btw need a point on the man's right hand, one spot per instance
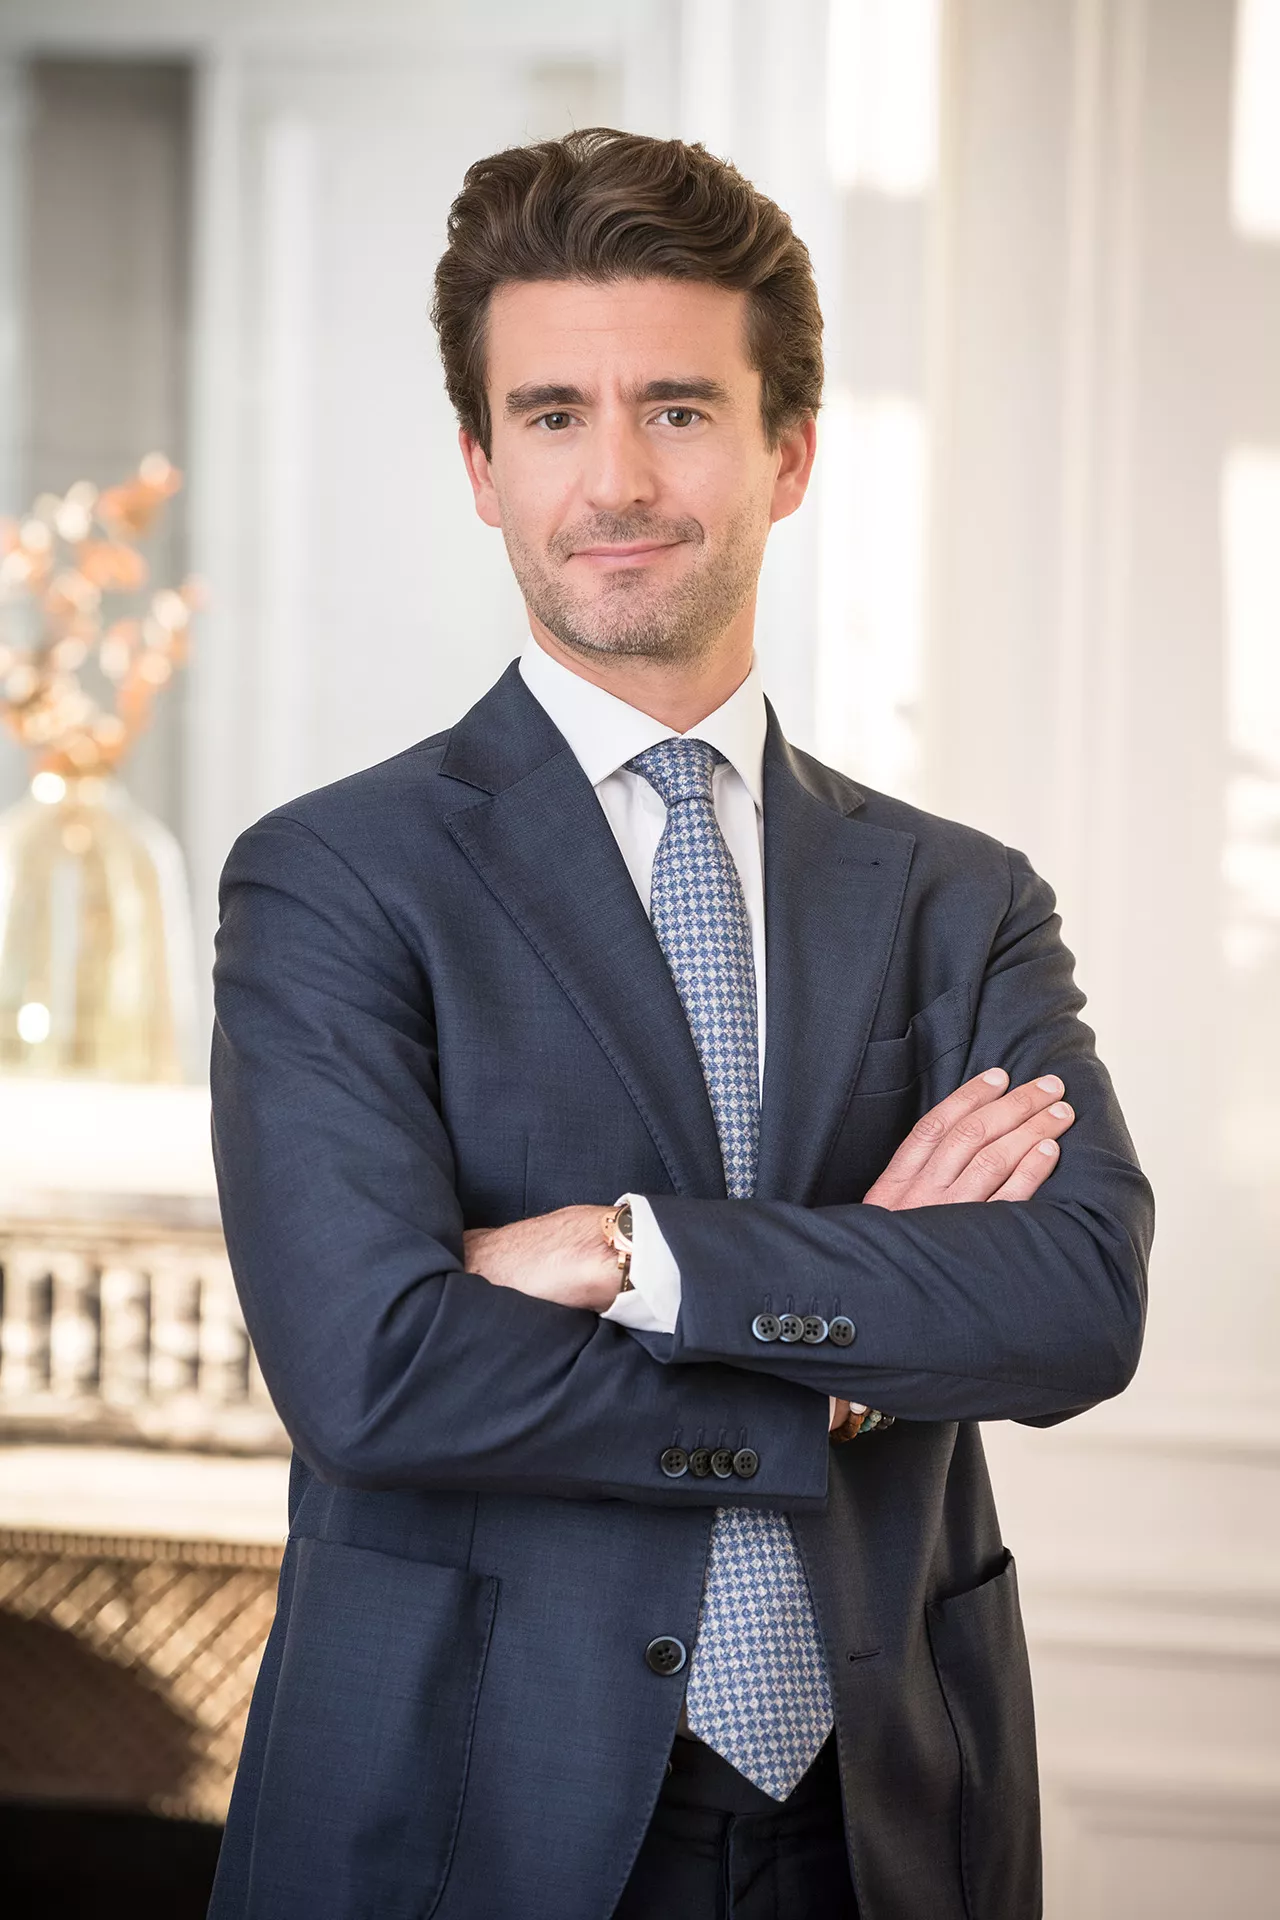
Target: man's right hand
(983, 1142)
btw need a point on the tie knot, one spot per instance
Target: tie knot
(678, 769)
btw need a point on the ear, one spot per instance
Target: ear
(795, 464)
(480, 474)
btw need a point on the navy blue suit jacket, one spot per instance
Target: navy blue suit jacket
(440, 1004)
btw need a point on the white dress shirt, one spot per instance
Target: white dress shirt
(604, 733)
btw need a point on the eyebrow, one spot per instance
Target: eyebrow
(676, 388)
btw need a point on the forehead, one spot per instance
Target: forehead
(581, 333)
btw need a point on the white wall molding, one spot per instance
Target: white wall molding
(1127, 1616)
(219, 728)
(1094, 698)
(518, 28)
(1142, 1791)
(1238, 1419)
(1122, 1849)
(1128, 1837)
(292, 405)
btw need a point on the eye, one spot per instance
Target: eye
(554, 422)
(679, 416)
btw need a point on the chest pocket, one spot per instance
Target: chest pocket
(890, 1066)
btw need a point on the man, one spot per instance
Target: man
(607, 1101)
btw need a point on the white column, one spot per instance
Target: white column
(1102, 561)
(13, 761)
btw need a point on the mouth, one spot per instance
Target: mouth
(629, 554)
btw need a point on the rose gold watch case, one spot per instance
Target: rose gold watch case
(619, 1244)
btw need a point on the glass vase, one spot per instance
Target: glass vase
(96, 951)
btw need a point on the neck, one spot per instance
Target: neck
(679, 694)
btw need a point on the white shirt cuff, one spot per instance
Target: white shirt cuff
(653, 1303)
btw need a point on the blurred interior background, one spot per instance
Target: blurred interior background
(1037, 586)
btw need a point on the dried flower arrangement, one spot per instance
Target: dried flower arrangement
(58, 569)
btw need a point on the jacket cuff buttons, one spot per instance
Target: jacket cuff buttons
(812, 1329)
(723, 1462)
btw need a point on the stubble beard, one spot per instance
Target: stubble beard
(630, 618)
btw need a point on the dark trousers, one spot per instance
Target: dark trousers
(718, 1848)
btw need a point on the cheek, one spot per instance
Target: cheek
(532, 502)
(723, 487)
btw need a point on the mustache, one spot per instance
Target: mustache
(623, 529)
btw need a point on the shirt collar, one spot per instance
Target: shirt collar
(605, 732)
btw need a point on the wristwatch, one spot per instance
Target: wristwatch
(616, 1227)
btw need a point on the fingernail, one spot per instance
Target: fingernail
(1060, 1110)
(996, 1077)
(1050, 1084)
(1049, 1147)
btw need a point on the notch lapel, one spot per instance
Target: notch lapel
(834, 887)
(542, 845)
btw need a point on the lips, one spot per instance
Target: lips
(622, 555)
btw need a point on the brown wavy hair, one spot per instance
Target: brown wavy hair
(602, 205)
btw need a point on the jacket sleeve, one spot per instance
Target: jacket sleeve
(389, 1364)
(1028, 1310)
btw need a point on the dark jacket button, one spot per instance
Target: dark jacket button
(722, 1463)
(791, 1327)
(765, 1326)
(674, 1462)
(700, 1462)
(665, 1654)
(815, 1329)
(745, 1462)
(841, 1331)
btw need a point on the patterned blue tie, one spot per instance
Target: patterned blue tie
(758, 1689)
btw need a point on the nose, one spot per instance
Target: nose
(619, 471)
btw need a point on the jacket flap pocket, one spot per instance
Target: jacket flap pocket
(980, 1655)
(890, 1065)
(366, 1755)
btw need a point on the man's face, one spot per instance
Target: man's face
(628, 467)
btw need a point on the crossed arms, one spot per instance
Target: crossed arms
(394, 1366)
(983, 1142)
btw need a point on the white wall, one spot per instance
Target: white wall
(1103, 572)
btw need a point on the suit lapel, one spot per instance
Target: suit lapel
(538, 838)
(833, 895)
(542, 845)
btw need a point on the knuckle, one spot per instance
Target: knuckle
(970, 1131)
(930, 1126)
(989, 1164)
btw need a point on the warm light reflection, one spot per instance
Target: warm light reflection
(873, 479)
(33, 1023)
(882, 94)
(48, 788)
(1255, 121)
(1251, 574)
